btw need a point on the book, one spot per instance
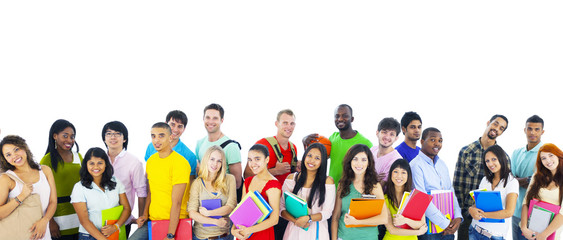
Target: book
(489, 201)
(444, 201)
(246, 213)
(416, 206)
(362, 208)
(211, 204)
(262, 205)
(110, 217)
(547, 206)
(295, 205)
(404, 200)
(159, 228)
(539, 219)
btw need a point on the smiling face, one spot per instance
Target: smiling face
(285, 125)
(496, 128)
(313, 159)
(212, 120)
(64, 139)
(114, 139)
(386, 138)
(96, 167)
(15, 155)
(215, 163)
(492, 162)
(257, 161)
(360, 163)
(177, 128)
(343, 118)
(399, 176)
(549, 161)
(160, 138)
(432, 144)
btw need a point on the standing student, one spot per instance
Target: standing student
(127, 168)
(411, 124)
(65, 165)
(468, 170)
(213, 116)
(358, 178)
(547, 186)
(213, 183)
(270, 189)
(497, 178)
(384, 153)
(430, 172)
(523, 164)
(17, 160)
(168, 177)
(98, 190)
(399, 182)
(178, 121)
(312, 185)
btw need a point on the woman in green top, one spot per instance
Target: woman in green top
(66, 166)
(358, 178)
(398, 182)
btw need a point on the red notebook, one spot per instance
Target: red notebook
(159, 228)
(416, 206)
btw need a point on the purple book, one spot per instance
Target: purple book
(211, 204)
(246, 213)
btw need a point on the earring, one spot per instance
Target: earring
(55, 144)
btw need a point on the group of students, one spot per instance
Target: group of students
(74, 190)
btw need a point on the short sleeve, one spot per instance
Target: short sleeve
(512, 186)
(272, 184)
(232, 153)
(119, 186)
(77, 194)
(180, 171)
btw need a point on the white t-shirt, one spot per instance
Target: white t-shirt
(499, 229)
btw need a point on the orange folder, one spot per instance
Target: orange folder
(362, 208)
(115, 235)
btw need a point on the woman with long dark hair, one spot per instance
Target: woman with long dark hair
(312, 185)
(358, 178)
(547, 186)
(98, 190)
(65, 164)
(397, 183)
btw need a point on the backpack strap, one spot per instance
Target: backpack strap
(224, 144)
(276, 146)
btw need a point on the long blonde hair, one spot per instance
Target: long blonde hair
(220, 181)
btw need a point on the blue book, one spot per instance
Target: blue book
(489, 201)
(263, 205)
(211, 204)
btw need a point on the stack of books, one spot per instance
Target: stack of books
(251, 210)
(444, 201)
(413, 205)
(540, 215)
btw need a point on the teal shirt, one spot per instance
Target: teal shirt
(232, 152)
(339, 148)
(358, 232)
(523, 164)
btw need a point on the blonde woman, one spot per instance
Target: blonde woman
(213, 183)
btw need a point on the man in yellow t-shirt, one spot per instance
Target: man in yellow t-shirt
(168, 174)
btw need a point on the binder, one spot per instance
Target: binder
(109, 217)
(547, 206)
(444, 201)
(362, 208)
(159, 228)
(295, 205)
(489, 201)
(246, 213)
(416, 206)
(211, 204)
(539, 219)
(262, 205)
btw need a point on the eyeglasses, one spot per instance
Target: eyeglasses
(114, 134)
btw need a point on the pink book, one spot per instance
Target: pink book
(246, 213)
(548, 206)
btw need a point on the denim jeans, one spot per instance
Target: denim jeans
(84, 236)
(228, 237)
(516, 231)
(141, 233)
(436, 236)
(474, 235)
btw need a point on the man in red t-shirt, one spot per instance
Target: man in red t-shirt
(280, 145)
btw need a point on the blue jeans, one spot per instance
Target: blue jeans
(84, 236)
(436, 236)
(228, 237)
(516, 231)
(141, 233)
(474, 235)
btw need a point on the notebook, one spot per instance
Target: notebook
(109, 217)
(547, 206)
(416, 206)
(246, 213)
(262, 205)
(362, 208)
(539, 219)
(295, 205)
(159, 228)
(489, 201)
(211, 204)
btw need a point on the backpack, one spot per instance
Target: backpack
(276, 146)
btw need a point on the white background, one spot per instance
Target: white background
(455, 63)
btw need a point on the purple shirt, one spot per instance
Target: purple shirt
(383, 163)
(128, 169)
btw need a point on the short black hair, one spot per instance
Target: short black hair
(408, 117)
(348, 106)
(535, 119)
(118, 127)
(177, 115)
(217, 107)
(162, 125)
(389, 123)
(500, 116)
(427, 131)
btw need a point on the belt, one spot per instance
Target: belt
(217, 237)
(483, 231)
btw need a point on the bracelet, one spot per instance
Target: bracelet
(18, 200)
(117, 227)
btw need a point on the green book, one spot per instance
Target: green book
(295, 205)
(110, 216)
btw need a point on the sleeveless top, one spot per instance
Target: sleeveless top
(41, 188)
(356, 232)
(268, 233)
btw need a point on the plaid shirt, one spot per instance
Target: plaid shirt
(468, 174)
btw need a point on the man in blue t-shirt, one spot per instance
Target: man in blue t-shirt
(411, 125)
(177, 120)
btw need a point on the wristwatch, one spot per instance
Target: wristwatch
(310, 220)
(170, 236)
